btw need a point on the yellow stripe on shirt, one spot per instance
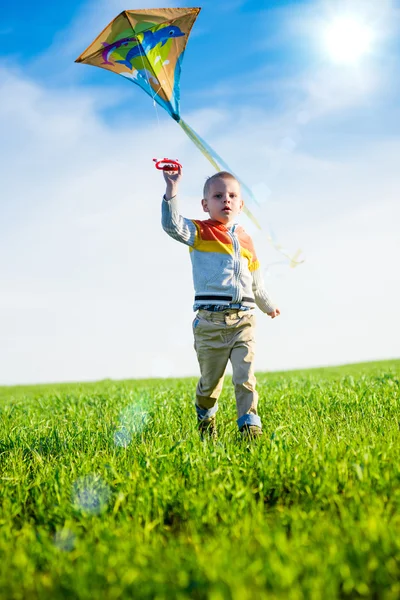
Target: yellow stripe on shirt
(254, 266)
(212, 246)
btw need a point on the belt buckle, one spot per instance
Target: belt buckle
(230, 316)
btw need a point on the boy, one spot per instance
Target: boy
(228, 283)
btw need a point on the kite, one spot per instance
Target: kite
(146, 46)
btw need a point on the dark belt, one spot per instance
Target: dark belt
(224, 299)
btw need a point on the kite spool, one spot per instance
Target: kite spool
(166, 164)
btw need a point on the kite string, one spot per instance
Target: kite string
(157, 115)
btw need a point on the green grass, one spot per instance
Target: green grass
(310, 511)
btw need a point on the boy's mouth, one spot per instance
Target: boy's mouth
(226, 210)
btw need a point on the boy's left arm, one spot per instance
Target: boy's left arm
(261, 295)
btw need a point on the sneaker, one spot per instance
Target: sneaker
(207, 428)
(251, 432)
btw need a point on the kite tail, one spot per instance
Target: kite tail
(220, 165)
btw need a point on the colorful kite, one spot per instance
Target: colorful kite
(147, 47)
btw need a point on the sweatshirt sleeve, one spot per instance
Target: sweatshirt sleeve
(261, 296)
(180, 229)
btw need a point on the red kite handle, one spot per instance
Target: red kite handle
(167, 164)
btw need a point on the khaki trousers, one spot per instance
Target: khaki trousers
(219, 337)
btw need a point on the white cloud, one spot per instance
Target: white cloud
(93, 288)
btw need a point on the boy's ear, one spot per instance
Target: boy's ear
(204, 205)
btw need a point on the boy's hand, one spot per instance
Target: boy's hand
(274, 313)
(172, 179)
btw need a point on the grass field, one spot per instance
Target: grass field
(107, 492)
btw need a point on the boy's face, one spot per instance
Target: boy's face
(223, 201)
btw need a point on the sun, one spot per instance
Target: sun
(347, 40)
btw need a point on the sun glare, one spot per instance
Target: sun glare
(347, 40)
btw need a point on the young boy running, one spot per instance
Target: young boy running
(228, 284)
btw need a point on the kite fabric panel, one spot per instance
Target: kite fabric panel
(147, 48)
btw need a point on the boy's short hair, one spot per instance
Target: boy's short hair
(219, 175)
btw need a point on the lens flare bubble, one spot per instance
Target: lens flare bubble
(64, 540)
(90, 495)
(122, 437)
(132, 420)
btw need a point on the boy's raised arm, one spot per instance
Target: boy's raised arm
(180, 229)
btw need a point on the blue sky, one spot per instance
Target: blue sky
(240, 54)
(318, 142)
(258, 40)
(228, 38)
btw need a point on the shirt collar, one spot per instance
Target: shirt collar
(232, 228)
